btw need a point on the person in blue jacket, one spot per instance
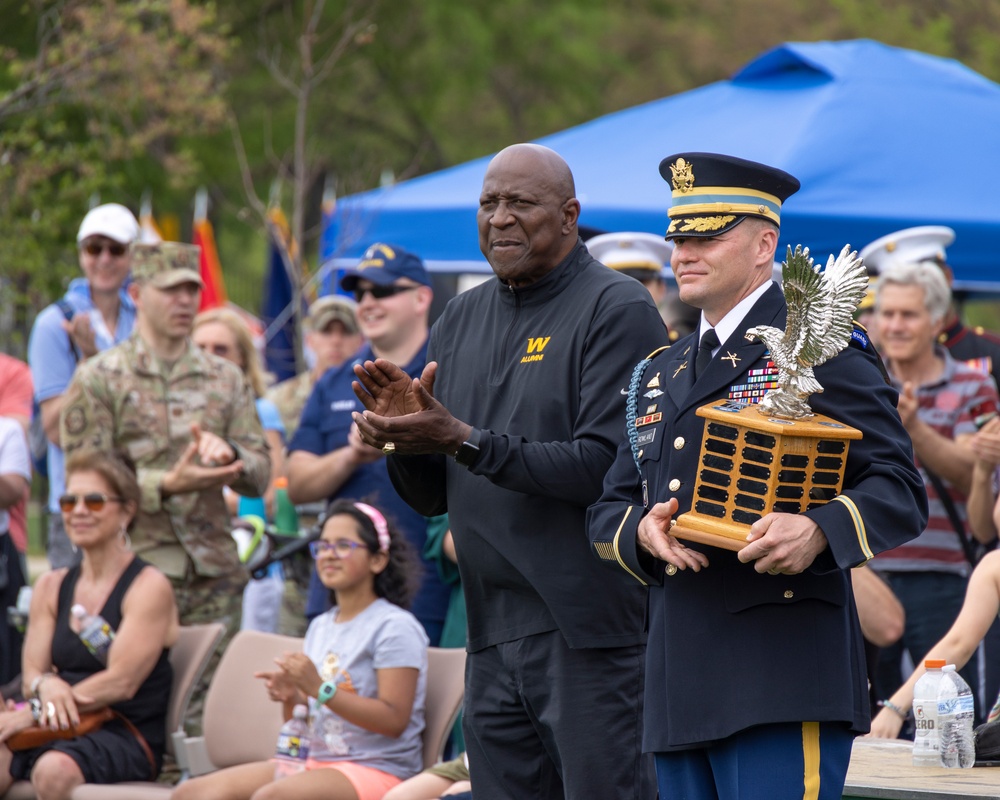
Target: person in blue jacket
(326, 459)
(755, 671)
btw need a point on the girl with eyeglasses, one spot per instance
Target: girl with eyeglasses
(61, 677)
(362, 673)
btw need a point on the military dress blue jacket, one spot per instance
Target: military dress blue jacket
(729, 648)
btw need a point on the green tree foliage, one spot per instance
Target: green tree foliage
(94, 97)
(118, 97)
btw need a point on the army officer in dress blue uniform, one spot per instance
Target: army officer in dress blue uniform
(755, 670)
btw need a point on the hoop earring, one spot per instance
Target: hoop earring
(126, 540)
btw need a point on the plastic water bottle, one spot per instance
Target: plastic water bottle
(292, 752)
(926, 745)
(94, 631)
(956, 712)
(286, 518)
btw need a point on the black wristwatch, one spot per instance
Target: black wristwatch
(467, 454)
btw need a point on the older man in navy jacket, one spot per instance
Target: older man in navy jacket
(755, 670)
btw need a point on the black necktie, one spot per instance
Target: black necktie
(708, 343)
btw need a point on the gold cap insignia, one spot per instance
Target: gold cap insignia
(682, 175)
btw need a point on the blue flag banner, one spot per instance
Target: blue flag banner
(276, 309)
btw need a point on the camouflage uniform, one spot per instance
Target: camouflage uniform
(125, 398)
(290, 397)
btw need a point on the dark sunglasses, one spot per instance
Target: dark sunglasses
(96, 248)
(92, 502)
(381, 292)
(218, 349)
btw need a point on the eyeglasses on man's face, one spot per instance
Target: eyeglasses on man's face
(96, 248)
(94, 501)
(341, 548)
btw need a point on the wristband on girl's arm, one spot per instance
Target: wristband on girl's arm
(894, 708)
(326, 692)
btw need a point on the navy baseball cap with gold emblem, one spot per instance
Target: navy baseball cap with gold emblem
(714, 193)
(384, 264)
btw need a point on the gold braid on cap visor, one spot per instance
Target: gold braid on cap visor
(722, 200)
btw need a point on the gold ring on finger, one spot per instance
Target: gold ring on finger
(389, 448)
(773, 572)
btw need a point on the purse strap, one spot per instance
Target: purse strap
(956, 521)
(140, 739)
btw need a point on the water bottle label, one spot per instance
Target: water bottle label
(98, 639)
(963, 704)
(292, 746)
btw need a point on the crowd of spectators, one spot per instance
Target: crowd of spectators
(159, 428)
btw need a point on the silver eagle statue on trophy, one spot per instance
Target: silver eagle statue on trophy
(819, 324)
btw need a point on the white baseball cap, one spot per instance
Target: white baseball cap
(112, 220)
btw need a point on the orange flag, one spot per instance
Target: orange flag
(214, 293)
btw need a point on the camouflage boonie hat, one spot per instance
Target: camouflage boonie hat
(166, 264)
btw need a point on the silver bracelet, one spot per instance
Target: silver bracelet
(893, 707)
(36, 684)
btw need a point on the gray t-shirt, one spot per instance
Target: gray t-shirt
(383, 636)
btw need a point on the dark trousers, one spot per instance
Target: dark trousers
(932, 601)
(543, 722)
(11, 581)
(767, 762)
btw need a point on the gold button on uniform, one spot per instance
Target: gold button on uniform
(789, 594)
(674, 485)
(679, 443)
(640, 453)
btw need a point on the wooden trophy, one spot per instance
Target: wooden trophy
(751, 465)
(779, 455)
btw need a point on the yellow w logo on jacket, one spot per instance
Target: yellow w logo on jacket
(535, 348)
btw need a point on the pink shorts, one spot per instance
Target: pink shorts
(369, 783)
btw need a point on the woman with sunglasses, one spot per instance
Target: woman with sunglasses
(222, 332)
(61, 677)
(362, 673)
(95, 314)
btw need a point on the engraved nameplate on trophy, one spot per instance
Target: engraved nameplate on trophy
(751, 465)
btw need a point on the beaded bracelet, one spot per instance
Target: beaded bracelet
(893, 707)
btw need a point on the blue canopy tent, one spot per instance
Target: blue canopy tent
(882, 138)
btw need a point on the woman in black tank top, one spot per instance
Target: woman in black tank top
(70, 667)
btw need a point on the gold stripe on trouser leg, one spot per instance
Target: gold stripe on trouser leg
(810, 760)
